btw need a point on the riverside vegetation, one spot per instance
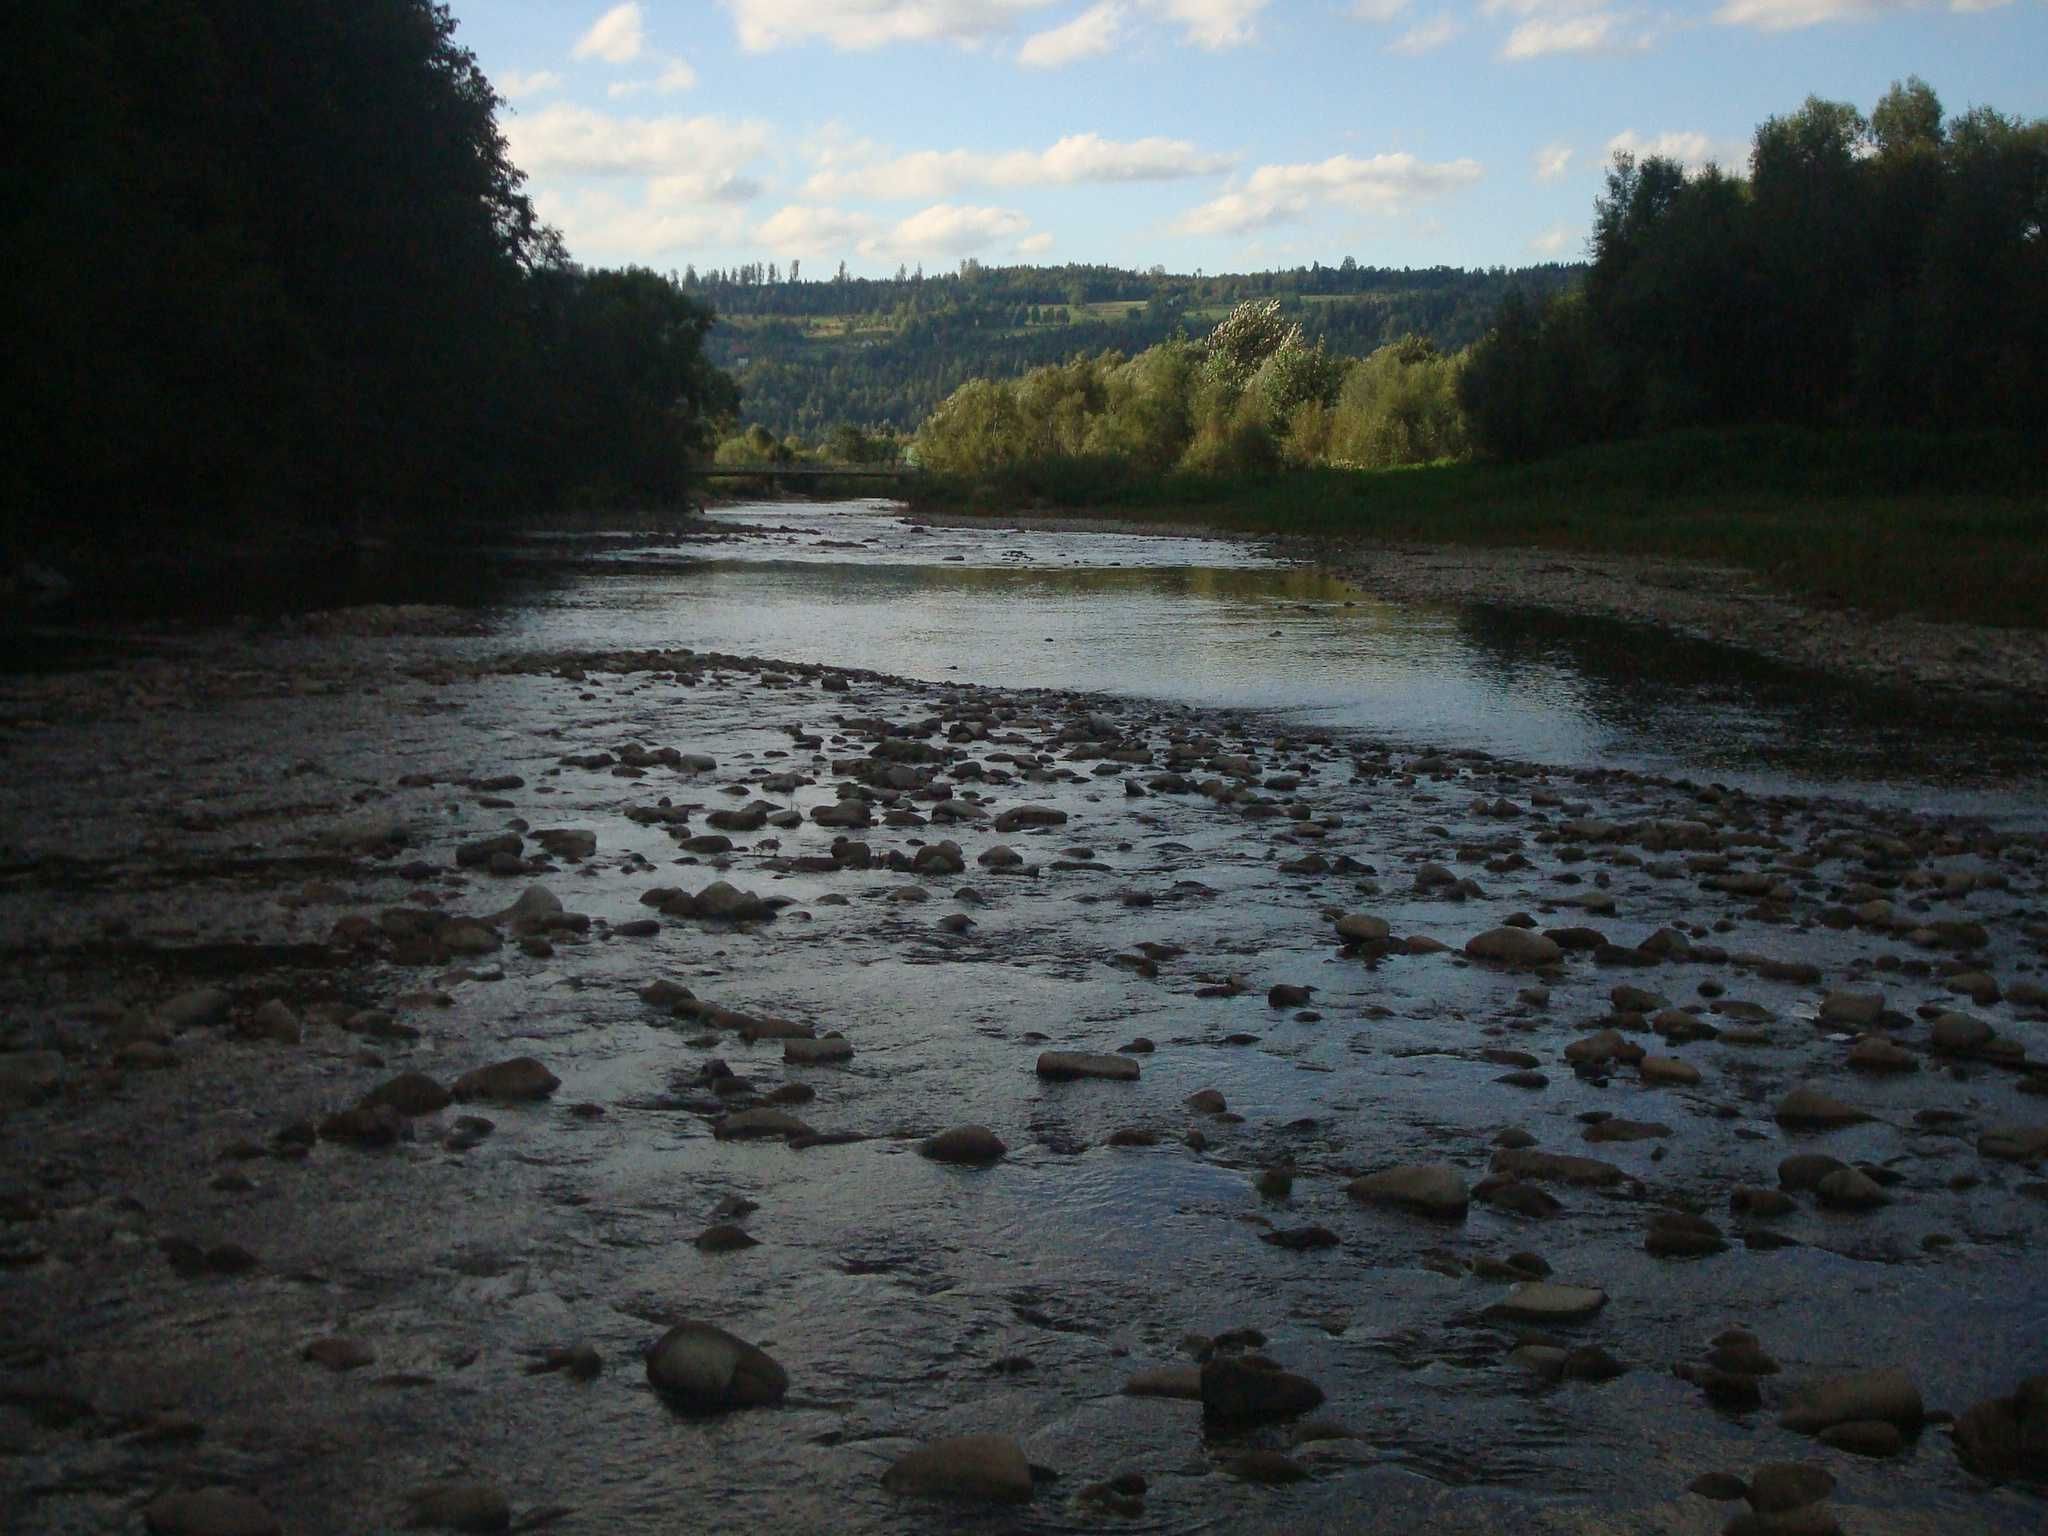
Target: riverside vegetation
(1824, 372)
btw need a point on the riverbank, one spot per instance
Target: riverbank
(1880, 559)
(272, 898)
(1998, 666)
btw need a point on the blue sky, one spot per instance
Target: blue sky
(1219, 135)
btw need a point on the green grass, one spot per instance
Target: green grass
(1887, 523)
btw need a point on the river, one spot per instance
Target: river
(1217, 623)
(1228, 754)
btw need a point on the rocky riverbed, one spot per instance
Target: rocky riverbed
(619, 1090)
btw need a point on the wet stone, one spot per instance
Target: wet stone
(1064, 1066)
(1246, 1390)
(460, 1506)
(703, 1368)
(1518, 947)
(521, 1079)
(410, 1093)
(1541, 1301)
(1433, 1189)
(1809, 1109)
(972, 1145)
(208, 1512)
(339, 1354)
(1783, 1485)
(986, 1467)
(1886, 1394)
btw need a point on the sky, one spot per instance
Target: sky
(1201, 135)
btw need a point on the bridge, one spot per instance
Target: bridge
(806, 472)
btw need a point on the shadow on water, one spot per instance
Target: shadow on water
(1761, 713)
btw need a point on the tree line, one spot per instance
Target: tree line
(1884, 272)
(1256, 393)
(811, 354)
(1888, 273)
(269, 266)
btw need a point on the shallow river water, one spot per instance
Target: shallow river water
(247, 812)
(1217, 623)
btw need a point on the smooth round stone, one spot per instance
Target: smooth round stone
(975, 1145)
(1064, 1066)
(1543, 1301)
(208, 1512)
(1513, 946)
(1431, 1188)
(964, 1467)
(704, 1367)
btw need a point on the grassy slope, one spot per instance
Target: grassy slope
(1891, 524)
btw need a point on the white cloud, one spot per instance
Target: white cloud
(1570, 26)
(1213, 24)
(1427, 36)
(570, 140)
(948, 230)
(514, 84)
(1034, 245)
(859, 25)
(805, 231)
(942, 231)
(1552, 241)
(1079, 157)
(1378, 10)
(616, 37)
(1787, 15)
(1552, 160)
(1094, 31)
(676, 75)
(1593, 32)
(1694, 151)
(1276, 193)
(599, 225)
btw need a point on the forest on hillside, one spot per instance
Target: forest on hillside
(814, 352)
(1882, 273)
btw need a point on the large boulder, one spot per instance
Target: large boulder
(975, 1145)
(1520, 947)
(705, 1369)
(520, 1080)
(208, 1512)
(1540, 1301)
(1809, 1109)
(1241, 1390)
(1020, 816)
(410, 1093)
(461, 1506)
(1362, 928)
(964, 1467)
(1886, 1395)
(1431, 1188)
(1065, 1066)
(2008, 1436)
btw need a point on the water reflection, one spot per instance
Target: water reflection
(1215, 624)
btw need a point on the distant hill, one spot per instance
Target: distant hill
(810, 354)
